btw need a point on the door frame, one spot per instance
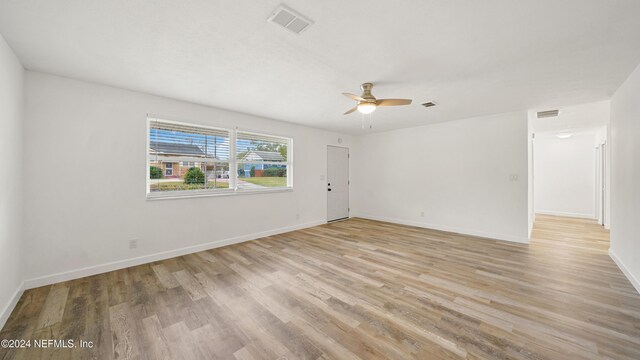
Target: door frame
(603, 182)
(348, 182)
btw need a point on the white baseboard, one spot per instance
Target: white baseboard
(6, 311)
(566, 214)
(625, 271)
(121, 264)
(490, 235)
(531, 223)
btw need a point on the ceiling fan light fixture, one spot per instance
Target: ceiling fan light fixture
(367, 103)
(366, 108)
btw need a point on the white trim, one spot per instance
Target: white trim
(565, 214)
(121, 264)
(146, 156)
(233, 160)
(290, 153)
(532, 224)
(207, 193)
(6, 311)
(181, 194)
(484, 234)
(152, 117)
(625, 271)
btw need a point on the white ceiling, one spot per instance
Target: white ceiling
(471, 57)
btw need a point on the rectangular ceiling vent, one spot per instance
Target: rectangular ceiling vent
(548, 114)
(429, 104)
(289, 20)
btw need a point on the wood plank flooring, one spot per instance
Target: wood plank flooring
(356, 289)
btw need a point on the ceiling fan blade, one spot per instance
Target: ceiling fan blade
(393, 102)
(351, 110)
(354, 97)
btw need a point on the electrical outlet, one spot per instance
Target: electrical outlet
(422, 214)
(513, 177)
(298, 216)
(133, 244)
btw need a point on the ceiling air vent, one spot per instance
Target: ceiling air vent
(547, 114)
(289, 19)
(429, 104)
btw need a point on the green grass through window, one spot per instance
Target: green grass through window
(266, 181)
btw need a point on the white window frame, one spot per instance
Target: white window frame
(233, 165)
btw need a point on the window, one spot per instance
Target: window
(176, 143)
(262, 161)
(191, 160)
(189, 164)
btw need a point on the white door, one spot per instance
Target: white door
(337, 183)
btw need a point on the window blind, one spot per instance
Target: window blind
(187, 158)
(182, 142)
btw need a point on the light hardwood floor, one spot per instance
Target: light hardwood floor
(349, 290)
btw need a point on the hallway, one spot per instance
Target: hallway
(566, 233)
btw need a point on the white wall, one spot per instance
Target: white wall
(565, 174)
(457, 173)
(11, 158)
(625, 177)
(85, 181)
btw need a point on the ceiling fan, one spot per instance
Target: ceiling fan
(367, 103)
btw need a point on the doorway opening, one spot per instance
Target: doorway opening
(569, 168)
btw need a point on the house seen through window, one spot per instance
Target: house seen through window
(262, 160)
